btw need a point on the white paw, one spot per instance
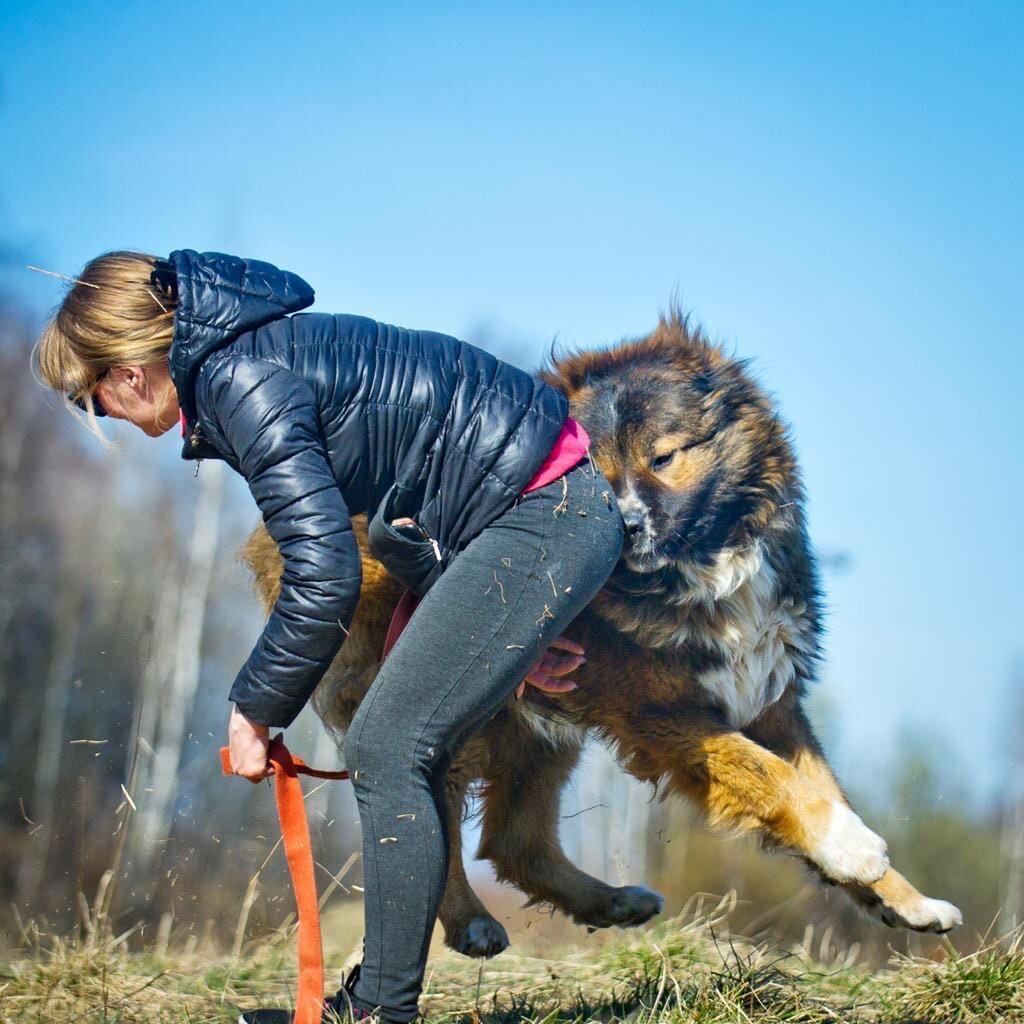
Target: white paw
(850, 851)
(933, 916)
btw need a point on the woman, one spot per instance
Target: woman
(480, 495)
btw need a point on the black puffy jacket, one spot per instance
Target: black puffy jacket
(330, 415)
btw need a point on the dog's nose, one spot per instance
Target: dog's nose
(632, 521)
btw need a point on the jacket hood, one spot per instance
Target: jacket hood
(220, 297)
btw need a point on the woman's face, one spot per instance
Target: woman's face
(142, 395)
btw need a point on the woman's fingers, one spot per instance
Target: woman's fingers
(549, 685)
(254, 774)
(248, 744)
(546, 684)
(251, 768)
(551, 664)
(563, 643)
(251, 764)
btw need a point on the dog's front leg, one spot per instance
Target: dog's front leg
(744, 787)
(784, 729)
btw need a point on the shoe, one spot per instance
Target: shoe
(330, 1016)
(341, 1002)
(339, 1009)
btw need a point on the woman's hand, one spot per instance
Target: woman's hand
(248, 742)
(549, 665)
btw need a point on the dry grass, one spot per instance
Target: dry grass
(686, 968)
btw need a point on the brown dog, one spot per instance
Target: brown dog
(699, 648)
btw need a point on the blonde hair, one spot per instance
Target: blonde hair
(112, 316)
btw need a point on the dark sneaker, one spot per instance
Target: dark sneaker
(337, 1010)
(331, 1015)
(341, 1002)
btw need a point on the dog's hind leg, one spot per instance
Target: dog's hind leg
(785, 730)
(523, 783)
(469, 927)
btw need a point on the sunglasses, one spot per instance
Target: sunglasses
(97, 405)
(165, 279)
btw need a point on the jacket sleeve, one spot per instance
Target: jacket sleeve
(268, 416)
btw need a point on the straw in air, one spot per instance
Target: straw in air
(53, 273)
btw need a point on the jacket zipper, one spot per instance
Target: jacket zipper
(194, 441)
(433, 543)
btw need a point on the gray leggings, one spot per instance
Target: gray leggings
(471, 641)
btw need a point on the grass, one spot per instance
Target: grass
(686, 968)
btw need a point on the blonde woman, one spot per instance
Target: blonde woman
(478, 490)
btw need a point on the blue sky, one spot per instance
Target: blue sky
(833, 189)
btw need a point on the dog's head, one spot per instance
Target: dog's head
(697, 456)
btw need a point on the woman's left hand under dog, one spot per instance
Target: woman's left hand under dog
(549, 665)
(248, 742)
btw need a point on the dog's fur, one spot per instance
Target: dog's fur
(713, 611)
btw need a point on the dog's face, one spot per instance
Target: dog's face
(687, 439)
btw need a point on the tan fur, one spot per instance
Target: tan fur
(716, 652)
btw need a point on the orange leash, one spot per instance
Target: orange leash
(291, 809)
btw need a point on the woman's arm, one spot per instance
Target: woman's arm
(268, 416)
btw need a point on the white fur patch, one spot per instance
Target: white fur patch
(555, 733)
(760, 638)
(629, 502)
(850, 851)
(933, 916)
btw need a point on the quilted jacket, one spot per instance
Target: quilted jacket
(329, 415)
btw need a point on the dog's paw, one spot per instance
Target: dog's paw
(923, 915)
(482, 937)
(624, 908)
(850, 851)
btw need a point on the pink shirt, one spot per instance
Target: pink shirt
(570, 446)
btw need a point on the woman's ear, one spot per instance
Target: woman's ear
(134, 377)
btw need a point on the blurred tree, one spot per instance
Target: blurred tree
(1013, 807)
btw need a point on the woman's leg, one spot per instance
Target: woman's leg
(470, 642)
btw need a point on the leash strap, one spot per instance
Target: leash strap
(291, 809)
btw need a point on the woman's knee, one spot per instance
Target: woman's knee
(364, 746)
(385, 753)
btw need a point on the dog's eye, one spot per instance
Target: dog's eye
(661, 461)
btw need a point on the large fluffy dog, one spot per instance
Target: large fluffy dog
(699, 647)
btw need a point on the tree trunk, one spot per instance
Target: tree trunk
(156, 820)
(52, 749)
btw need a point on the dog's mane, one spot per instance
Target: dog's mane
(677, 340)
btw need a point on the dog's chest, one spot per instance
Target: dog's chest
(759, 636)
